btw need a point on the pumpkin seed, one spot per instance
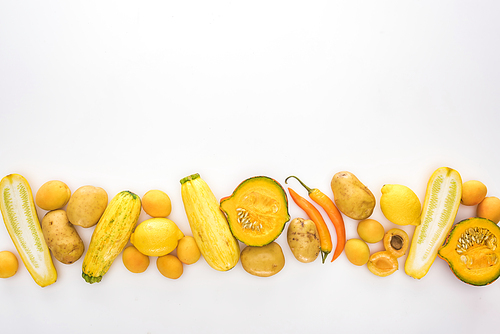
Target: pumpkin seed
(244, 220)
(476, 236)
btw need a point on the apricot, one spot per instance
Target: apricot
(52, 195)
(8, 264)
(169, 266)
(357, 251)
(396, 242)
(473, 192)
(187, 250)
(134, 260)
(156, 203)
(382, 263)
(370, 230)
(489, 208)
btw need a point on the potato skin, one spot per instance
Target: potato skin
(303, 239)
(86, 206)
(351, 196)
(263, 261)
(61, 237)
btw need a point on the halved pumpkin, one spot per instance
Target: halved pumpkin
(257, 211)
(472, 251)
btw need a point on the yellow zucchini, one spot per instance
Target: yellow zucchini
(208, 224)
(442, 199)
(21, 220)
(111, 234)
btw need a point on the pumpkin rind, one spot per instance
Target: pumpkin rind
(257, 211)
(475, 261)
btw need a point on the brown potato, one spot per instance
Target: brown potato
(263, 261)
(87, 205)
(351, 196)
(61, 237)
(303, 239)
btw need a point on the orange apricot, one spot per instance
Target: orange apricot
(396, 242)
(489, 208)
(156, 203)
(169, 266)
(8, 264)
(134, 260)
(473, 192)
(382, 263)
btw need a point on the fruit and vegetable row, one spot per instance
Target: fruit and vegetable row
(252, 218)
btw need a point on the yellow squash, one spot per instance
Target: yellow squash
(208, 224)
(21, 220)
(111, 234)
(442, 199)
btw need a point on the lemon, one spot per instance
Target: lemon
(156, 236)
(400, 205)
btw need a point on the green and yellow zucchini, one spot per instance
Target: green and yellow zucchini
(111, 234)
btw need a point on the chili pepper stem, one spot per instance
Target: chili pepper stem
(324, 255)
(333, 213)
(315, 216)
(309, 190)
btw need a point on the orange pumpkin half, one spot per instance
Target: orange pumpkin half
(257, 211)
(472, 251)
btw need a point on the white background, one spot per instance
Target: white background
(135, 95)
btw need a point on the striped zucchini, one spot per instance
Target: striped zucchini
(111, 234)
(208, 224)
(21, 220)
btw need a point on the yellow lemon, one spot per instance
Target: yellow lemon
(400, 205)
(156, 236)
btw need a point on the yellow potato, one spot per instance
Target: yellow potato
(52, 195)
(351, 196)
(87, 205)
(263, 261)
(61, 237)
(303, 239)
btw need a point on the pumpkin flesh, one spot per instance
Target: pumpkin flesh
(257, 211)
(472, 251)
